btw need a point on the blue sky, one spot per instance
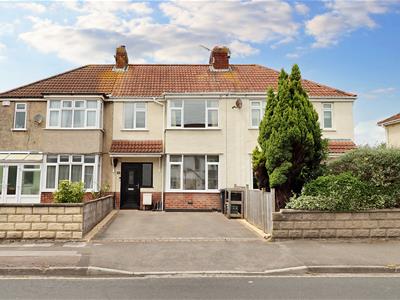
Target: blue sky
(350, 45)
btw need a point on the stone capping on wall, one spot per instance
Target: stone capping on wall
(305, 224)
(52, 220)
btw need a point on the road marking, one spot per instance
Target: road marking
(37, 253)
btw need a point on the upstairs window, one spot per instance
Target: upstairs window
(257, 112)
(193, 114)
(134, 115)
(327, 115)
(74, 114)
(20, 116)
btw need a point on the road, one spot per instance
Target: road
(202, 288)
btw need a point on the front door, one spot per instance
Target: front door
(131, 178)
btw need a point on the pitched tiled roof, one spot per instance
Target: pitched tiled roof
(340, 146)
(393, 119)
(154, 80)
(142, 146)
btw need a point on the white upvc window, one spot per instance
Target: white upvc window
(135, 115)
(193, 172)
(77, 114)
(75, 168)
(327, 114)
(193, 114)
(20, 116)
(257, 112)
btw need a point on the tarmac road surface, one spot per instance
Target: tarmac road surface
(309, 287)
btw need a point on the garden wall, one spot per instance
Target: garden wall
(300, 224)
(51, 220)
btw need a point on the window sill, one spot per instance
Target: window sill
(193, 191)
(329, 129)
(74, 129)
(19, 129)
(135, 129)
(253, 128)
(195, 129)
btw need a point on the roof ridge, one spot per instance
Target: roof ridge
(44, 79)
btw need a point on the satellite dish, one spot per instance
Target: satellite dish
(38, 119)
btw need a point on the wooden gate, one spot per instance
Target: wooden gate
(258, 209)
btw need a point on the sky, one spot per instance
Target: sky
(350, 45)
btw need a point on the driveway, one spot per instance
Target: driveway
(134, 225)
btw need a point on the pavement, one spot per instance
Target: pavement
(139, 243)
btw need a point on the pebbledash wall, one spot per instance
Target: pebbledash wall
(297, 224)
(52, 221)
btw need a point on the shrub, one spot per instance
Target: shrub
(102, 192)
(69, 192)
(379, 166)
(343, 192)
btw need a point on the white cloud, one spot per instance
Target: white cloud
(101, 26)
(32, 6)
(292, 55)
(369, 133)
(379, 92)
(343, 18)
(254, 21)
(301, 8)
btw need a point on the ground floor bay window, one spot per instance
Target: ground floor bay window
(193, 172)
(75, 168)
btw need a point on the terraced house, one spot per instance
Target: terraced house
(166, 135)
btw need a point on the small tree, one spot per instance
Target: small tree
(290, 147)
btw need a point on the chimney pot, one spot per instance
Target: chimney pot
(219, 58)
(121, 58)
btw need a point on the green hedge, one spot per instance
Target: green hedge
(362, 179)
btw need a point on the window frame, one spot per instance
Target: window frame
(324, 109)
(181, 164)
(182, 112)
(73, 108)
(96, 167)
(261, 111)
(18, 110)
(135, 111)
(151, 175)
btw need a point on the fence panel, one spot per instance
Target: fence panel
(258, 209)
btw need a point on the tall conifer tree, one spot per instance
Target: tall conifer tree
(290, 145)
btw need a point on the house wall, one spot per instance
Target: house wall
(343, 124)
(37, 137)
(393, 135)
(154, 123)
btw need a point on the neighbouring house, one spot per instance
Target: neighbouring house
(167, 134)
(392, 129)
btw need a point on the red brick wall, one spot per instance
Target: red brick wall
(156, 197)
(201, 201)
(117, 198)
(47, 197)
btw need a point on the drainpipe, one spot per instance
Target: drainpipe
(163, 143)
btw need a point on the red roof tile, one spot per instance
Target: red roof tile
(147, 146)
(340, 146)
(155, 80)
(392, 119)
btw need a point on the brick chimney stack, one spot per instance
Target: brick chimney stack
(219, 58)
(121, 58)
